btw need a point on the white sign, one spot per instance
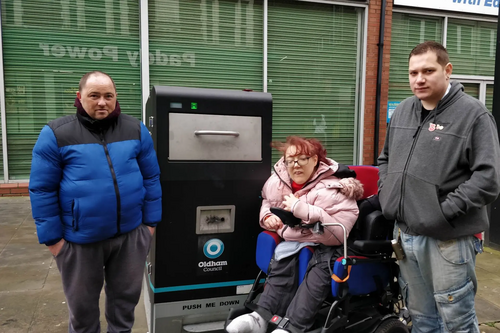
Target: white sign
(209, 305)
(110, 52)
(488, 7)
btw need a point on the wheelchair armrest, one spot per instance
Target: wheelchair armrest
(372, 246)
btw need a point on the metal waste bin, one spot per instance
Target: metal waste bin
(214, 152)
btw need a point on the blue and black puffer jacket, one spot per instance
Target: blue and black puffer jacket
(93, 180)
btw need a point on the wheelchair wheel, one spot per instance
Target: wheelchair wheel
(392, 325)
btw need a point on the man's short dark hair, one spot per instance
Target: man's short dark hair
(441, 53)
(85, 77)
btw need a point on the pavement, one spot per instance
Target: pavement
(31, 295)
(32, 300)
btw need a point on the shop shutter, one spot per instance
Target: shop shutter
(312, 71)
(489, 97)
(48, 46)
(1, 152)
(471, 46)
(471, 89)
(407, 32)
(206, 43)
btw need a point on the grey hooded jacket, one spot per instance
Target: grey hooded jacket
(436, 176)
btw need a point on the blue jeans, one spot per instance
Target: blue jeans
(438, 282)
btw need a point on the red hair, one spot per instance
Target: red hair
(309, 147)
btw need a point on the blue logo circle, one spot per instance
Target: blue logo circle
(213, 248)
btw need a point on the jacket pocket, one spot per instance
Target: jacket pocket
(422, 208)
(390, 194)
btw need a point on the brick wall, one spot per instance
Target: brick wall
(14, 190)
(371, 77)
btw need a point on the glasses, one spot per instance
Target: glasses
(300, 161)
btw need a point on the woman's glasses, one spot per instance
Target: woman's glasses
(300, 161)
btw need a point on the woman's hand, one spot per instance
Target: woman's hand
(289, 201)
(273, 223)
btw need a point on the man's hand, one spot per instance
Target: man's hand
(56, 248)
(151, 230)
(273, 223)
(289, 201)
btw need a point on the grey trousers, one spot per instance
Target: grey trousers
(119, 262)
(300, 304)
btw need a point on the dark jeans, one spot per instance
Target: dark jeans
(300, 304)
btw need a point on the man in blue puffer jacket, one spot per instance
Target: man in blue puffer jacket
(96, 199)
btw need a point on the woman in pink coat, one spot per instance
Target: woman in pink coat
(304, 183)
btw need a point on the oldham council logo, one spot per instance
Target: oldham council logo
(213, 248)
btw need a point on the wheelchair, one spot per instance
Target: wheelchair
(365, 295)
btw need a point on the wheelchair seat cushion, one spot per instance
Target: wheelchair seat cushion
(364, 278)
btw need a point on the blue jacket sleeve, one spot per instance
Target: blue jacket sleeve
(45, 176)
(148, 163)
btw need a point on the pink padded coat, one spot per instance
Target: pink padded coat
(324, 198)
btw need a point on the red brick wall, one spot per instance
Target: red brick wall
(371, 77)
(14, 190)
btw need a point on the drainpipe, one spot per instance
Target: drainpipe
(379, 81)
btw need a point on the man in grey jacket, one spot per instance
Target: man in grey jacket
(439, 168)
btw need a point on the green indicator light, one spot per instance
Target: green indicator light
(194, 106)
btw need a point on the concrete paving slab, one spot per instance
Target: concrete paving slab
(483, 274)
(8, 231)
(26, 231)
(53, 280)
(489, 261)
(486, 311)
(490, 290)
(22, 277)
(24, 252)
(17, 309)
(51, 314)
(488, 329)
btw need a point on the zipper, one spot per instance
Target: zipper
(313, 180)
(277, 174)
(74, 223)
(403, 180)
(115, 183)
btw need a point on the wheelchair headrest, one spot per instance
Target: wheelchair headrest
(368, 176)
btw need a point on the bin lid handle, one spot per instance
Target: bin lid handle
(226, 133)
